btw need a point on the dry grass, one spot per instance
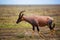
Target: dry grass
(9, 30)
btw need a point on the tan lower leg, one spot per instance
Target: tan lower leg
(41, 35)
(33, 33)
(52, 32)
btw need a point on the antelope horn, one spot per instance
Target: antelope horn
(21, 13)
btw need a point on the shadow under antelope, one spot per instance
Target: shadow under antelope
(37, 21)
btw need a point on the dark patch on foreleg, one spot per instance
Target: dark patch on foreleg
(35, 25)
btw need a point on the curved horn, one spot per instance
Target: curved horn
(21, 13)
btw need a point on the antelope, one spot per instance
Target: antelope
(37, 21)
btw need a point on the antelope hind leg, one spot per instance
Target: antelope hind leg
(52, 32)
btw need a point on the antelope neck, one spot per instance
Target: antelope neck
(27, 20)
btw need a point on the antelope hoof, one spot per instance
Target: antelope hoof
(52, 32)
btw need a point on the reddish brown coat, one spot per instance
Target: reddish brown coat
(40, 20)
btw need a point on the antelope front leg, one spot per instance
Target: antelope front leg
(40, 34)
(33, 31)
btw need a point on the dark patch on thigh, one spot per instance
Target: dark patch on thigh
(50, 24)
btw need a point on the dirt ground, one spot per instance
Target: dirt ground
(26, 34)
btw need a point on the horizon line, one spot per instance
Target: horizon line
(29, 4)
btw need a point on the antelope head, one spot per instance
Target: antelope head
(20, 18)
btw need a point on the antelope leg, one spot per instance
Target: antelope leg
(52, 32)
(33, 34)
(41, 35)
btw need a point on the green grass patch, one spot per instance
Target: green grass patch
(12, 25)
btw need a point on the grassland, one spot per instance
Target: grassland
(9, 15)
